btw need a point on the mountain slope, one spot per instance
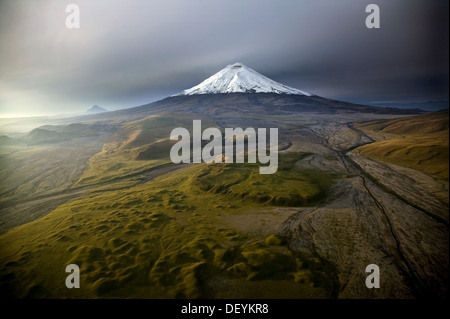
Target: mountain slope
(237, 104)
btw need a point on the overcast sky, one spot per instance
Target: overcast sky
(131, 52)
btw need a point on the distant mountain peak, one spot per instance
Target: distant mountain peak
(238, 78)
(96, 109)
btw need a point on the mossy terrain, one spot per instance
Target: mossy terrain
(418, 142)
(136, 147)
(288, 187)
(167, 239)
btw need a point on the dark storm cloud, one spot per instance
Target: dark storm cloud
(128, 53)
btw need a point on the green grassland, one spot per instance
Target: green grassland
(418, 142)
(137, 146)
(288, 187)
(169, 238)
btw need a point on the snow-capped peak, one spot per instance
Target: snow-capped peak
(238, 78)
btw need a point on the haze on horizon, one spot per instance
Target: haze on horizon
(129, 53)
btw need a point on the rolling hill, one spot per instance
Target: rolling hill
(419, 142)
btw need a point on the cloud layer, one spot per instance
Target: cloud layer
(129, 53)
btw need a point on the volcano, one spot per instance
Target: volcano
(96, 109)
(238, 89)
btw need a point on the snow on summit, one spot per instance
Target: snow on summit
(238, 78)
